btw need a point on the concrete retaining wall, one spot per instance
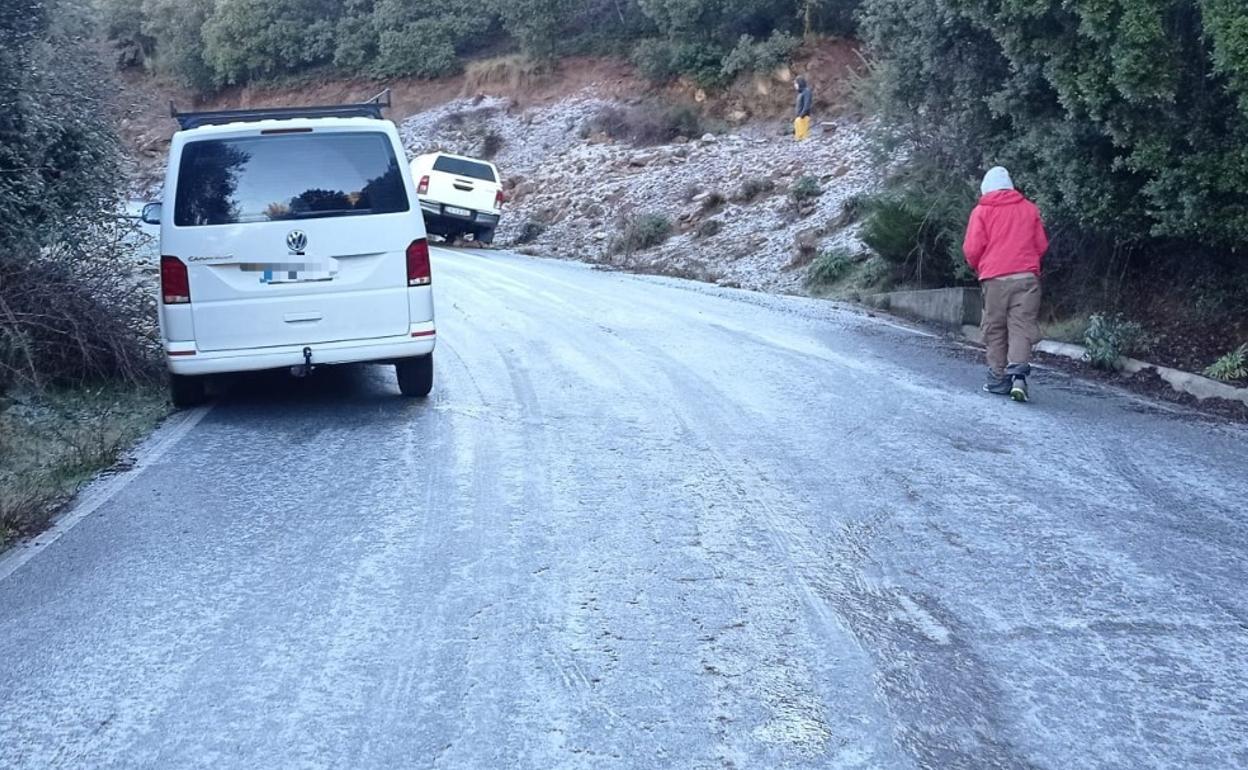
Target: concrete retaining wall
(951, 308)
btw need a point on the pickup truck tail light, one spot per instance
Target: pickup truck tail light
(423, 187)
(418, 272)
(499, 199)
(175, 284)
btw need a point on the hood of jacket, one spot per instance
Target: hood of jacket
(1002, 198)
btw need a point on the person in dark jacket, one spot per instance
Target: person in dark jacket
(805, 99)
(1005, 242)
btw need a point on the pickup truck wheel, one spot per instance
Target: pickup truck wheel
(185, 391)
(484, 236)
(415, 376)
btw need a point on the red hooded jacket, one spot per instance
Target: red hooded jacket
(1005, 236)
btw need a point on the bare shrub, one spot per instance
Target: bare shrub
(491, 143)
(641, 232)
(645, 124)
(753, 188)
(74, 313)
(530, 231)
(713, 201)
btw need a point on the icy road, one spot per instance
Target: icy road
(644, 523)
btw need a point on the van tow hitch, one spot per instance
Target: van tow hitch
(304, 369)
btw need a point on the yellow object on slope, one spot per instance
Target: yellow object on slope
(801, 128)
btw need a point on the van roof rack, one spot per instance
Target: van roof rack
(369, 109)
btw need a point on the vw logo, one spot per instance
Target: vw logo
(296, 240)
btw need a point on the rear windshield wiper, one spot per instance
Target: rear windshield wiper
(327, 213)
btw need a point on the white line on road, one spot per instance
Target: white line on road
(104, 489)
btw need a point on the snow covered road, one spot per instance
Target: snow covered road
(648, 523)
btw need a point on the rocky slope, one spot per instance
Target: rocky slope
(572, 192)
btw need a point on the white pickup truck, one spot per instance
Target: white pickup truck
(458, 196)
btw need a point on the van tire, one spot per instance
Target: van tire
(186, 391)
(484, 236)
(415, 375)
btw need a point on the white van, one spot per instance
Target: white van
(459, 196)
(291, 237)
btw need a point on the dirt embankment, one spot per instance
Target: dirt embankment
(725, 192)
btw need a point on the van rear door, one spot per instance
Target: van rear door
(293, 237)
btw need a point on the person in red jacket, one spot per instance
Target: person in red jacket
(1005, 241)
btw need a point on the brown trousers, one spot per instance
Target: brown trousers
(1011, 320)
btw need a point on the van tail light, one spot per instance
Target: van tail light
(418, 273)
(499, 199)
(175, 284)
(423, 187)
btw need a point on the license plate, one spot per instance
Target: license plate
(292, 272)
(458, 211)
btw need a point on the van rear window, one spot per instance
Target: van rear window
(461, 167)
(291, 176)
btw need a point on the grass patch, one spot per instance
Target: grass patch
(53, 442)
(513, 72)
(1072, 330)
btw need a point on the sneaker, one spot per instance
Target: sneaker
(1018, 389)
(997, 385)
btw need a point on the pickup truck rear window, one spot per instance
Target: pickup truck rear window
(291, 176)
(461, 167)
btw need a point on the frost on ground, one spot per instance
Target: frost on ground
(571, 191)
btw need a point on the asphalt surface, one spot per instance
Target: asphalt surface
(647, 523)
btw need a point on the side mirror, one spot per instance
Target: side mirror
(151, 214)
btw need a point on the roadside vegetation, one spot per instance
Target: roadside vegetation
(1125, 122)
(209, 44)
(1126, 125)
(77, 363)
(643, 124)
(640, 232)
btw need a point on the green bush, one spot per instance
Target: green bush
(1126, 119)
(806, 188)
(1232, 366)
(246, 40)
(421, 48)
(639, 233)
(663, 60)
(1110, 338)
(829, 267)
(919, 232)
(759, 56)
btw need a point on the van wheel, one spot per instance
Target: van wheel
(415, 376)
(484, 236)
(185, 391)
